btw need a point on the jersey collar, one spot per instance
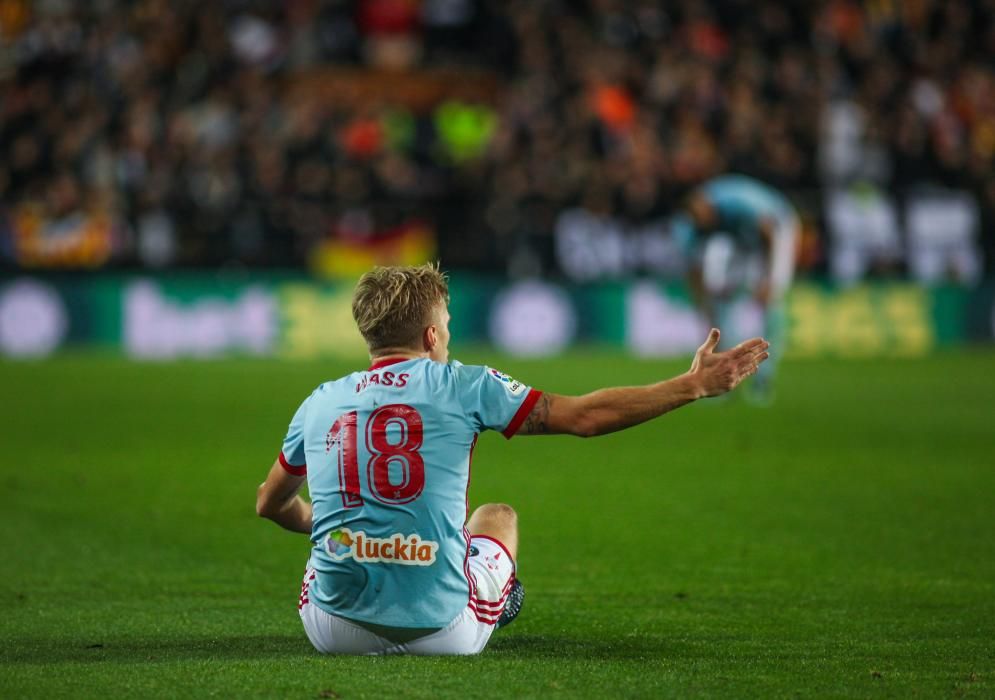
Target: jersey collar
(389, 361)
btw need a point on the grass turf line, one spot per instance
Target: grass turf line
(838, 544)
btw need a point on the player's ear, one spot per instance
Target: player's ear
(430, 338)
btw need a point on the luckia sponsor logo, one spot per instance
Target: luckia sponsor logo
(408, 550)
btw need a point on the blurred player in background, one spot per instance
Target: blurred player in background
(396, 567)
(741, 236)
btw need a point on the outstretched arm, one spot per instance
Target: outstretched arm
(277, 499)
(608, 410)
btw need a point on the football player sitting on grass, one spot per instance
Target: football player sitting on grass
(396, 566)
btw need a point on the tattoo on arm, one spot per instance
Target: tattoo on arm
(537, 421)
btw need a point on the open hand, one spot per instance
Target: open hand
(719, 372)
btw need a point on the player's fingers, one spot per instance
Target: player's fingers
(750, 346)
(747, 354)
(749, 365)
(710, 342)
(756, 358)
(761, 350)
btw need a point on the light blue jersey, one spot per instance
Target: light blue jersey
(387, 456)
(741, 203)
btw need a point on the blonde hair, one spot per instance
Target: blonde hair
(394, 305)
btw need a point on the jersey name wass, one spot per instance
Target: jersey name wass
(397, 381)
(409, 550)
(513, 386)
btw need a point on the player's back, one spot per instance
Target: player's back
(741, 202)
(387, 452)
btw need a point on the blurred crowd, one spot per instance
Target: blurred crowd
(165, 132)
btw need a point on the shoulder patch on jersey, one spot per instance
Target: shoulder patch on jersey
(513, 386)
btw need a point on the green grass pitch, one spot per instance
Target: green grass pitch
(838, 544)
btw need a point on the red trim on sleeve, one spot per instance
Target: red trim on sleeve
(296, 471)
(522, 413)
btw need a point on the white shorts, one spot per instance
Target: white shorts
(492, 572)
(727, 267)
(785, 252)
